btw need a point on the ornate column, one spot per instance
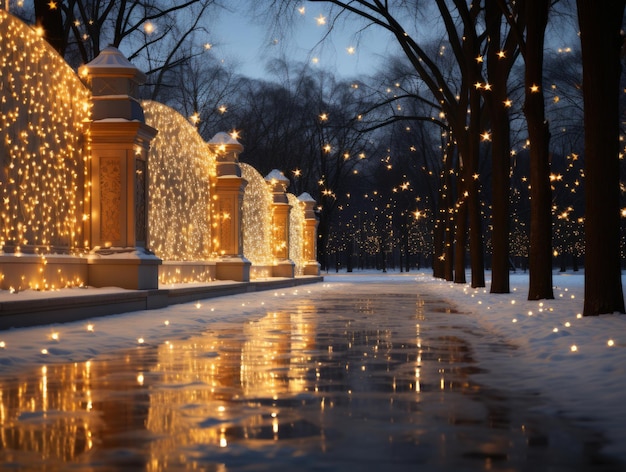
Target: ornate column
(309, 250)
(283, 266)
(227, 212)
(120, 139)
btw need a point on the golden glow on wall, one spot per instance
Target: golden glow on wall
(182, 170)
(257, 218)
(296, 233)
(45, 182)
(44, 109)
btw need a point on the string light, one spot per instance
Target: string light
(43, 135)
(180, 194)
(257, 220)
(296, 233)
(45, 188)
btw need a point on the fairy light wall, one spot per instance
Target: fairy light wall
(296, 233)
(257, 221)
(43, 146)
(181, 168)
(46, 180)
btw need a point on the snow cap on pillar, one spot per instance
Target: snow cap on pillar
(306, 197)
(227, 150)
(278, 184)
(309, 202)
(226, 143)
(277, 178)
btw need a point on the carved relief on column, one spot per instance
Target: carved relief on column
(110, 199)
(226, 226)
(281, 235)
(309, 235)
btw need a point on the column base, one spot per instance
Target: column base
(130, 268)
(284, 268)
(311, 268)
(235, 268)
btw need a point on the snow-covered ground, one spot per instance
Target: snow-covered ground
(577, 363)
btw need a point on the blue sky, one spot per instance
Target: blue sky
(238, 38)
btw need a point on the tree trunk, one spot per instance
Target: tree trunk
(501, 183)
(460, 238)
(439, 244)
(601, 43)
(477, 251)
(540, 256)
(449, 221)
(498, 68)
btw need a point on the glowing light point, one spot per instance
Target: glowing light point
(321, 20)
(351, 50)
(3, 345)
(609, 343)
(148, 27)
(574, 348)
(140, 340)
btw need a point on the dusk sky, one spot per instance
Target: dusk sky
(246, 37)
(251, 42)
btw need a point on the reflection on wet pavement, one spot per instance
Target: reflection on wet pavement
(371, 380)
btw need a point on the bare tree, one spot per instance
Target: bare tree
(158, 36)
(602, 42)
(454, 97)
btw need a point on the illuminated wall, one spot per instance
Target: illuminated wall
(43, 149)
(181, 168)
(257, 220)
(296, 233)
(46, 207)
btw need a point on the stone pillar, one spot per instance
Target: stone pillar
(120, 139)
(283, 266)
(309, 249)
(227, 213)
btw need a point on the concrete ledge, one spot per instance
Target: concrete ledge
(91, 304)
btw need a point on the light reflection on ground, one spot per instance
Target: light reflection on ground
(372, 380)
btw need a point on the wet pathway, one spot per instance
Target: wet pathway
(380, 378)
